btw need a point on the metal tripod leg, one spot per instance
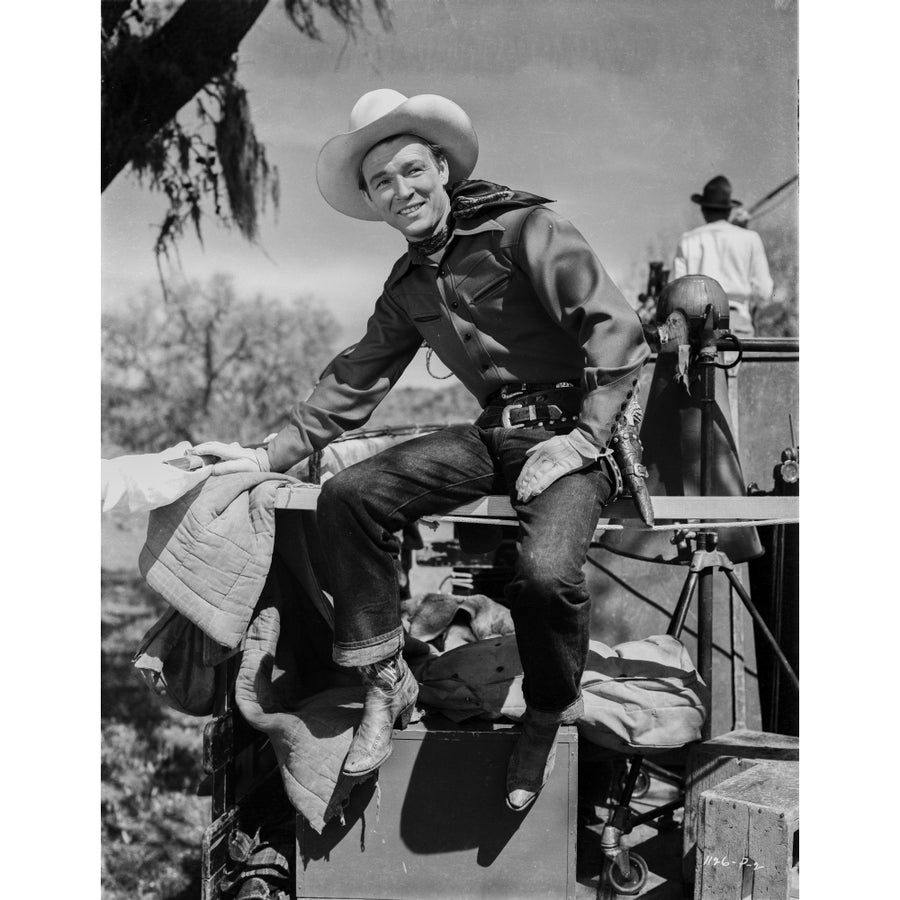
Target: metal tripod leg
(684, 602)
(701, 572)
(760, 623)
(704, 561)
(704, 638)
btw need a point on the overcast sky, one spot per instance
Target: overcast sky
(618, 109)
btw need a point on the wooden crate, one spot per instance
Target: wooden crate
(718, 759)
(435, 824)
(748, 839)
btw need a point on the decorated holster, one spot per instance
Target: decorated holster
(627, 452)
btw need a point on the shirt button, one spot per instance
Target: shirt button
(467, 337)
(454, 305)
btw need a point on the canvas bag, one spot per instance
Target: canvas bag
(177, 661)
(641, 695)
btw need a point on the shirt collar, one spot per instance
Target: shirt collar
(467, 227)
(463, 228)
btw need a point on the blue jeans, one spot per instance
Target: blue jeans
(361, 509)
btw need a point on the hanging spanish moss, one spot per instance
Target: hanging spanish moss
(348, 12)
(205, 156)
(249, 180)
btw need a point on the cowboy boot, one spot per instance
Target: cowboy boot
(390, 698)
(533, 757)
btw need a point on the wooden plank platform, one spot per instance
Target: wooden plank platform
(496, 506)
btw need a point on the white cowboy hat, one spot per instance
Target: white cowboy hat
(381, 114)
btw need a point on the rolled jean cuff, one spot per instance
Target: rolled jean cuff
(364, 653)
(566, 716)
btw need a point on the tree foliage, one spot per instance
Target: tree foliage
(158, 56)
(207, 364)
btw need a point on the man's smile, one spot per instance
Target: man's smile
(411, 209)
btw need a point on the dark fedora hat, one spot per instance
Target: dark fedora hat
(716, 194)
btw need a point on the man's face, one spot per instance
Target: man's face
(406, 186)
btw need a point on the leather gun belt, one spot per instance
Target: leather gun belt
(532, 406)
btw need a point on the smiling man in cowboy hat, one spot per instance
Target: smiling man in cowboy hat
(731, 254)
(514, 301)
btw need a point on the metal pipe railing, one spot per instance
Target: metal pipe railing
(763, 344)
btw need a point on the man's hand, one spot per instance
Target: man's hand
(235, 458)
(551, 459)
(739, 216)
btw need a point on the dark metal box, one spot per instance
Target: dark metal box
(435, 824)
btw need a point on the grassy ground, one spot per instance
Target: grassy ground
(152, 820)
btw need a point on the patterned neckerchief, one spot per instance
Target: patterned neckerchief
(468, 199)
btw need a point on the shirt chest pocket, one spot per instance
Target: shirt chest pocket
(429, 320)
(422, 307)
(483, 277)
(490, 288)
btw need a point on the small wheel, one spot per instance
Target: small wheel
(641, 785)
(634, 881)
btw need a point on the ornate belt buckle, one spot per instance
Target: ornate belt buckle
(507, 412)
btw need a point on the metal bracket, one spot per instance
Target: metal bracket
(707, 559)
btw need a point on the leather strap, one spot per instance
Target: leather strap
(537, 409)
(516, 390)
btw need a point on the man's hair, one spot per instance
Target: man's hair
(714, 214)
(436, 154)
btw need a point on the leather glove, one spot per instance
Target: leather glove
(549, 460)
(234, 457)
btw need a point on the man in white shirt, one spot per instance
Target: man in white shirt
(733, 255)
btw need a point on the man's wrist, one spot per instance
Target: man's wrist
(583, 445)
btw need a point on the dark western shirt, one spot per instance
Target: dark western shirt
(516, 298)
